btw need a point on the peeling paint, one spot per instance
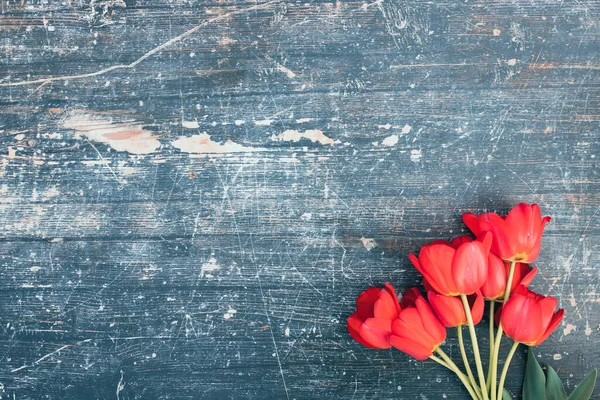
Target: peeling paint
(314, 135)
(389, 141)
(126, 136)
(190, 124)
(203, 144)
(568, 329)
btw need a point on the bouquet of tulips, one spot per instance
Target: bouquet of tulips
(459, 277)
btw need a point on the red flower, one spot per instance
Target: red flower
(371, 324)
(516, 237)
(450, 310)
(495, 285)
(454, 270)
(417, 331)
(529, 318)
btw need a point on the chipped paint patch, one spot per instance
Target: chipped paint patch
(369, 243)
(209, 267)
(314, 135)
(386, 126)
(203, 144)
(389, 141)
(415, 155)
(303, 120)
(190, 124)
(568, 329)
(264, 122)
(406, 129)
(127, 135)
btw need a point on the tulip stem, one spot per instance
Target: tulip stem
(488, 380)
(463, 353)
(475, 346)
(506, 364)
(441, 362)
(498, 339)
(475, 395)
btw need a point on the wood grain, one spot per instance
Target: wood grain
(192, 194)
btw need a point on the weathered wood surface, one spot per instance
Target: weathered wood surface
(193, 216)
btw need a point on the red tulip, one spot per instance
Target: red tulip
(453, 271)
(450, 310)
(417, 331)
(495, 285)
(529, 318)
(371, 324)
(516, 237)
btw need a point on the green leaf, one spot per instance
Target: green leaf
(534, 383)
(554, 387)
(584, 390)
(506, 395)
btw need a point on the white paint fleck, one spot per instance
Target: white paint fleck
(264, 122)
(386, 126)
(230, 313)
(209, 267)
(303, 120)
(496, 32)
(314, 135)
(415, 155)
(203, 144)
(369, 243)
(287, 332)
(588, 329)
(391, 140)
(568, 329)
(512, 62)
(556, 357)
(406, 129)
(306, 217)
(35, 268)
(239, 122)
(190, 124)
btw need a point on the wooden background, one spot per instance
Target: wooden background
(193, 193)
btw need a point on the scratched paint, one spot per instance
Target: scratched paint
(207, 241)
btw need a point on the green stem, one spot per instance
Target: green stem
(475, 346)
(488, 380)
(463, 353)
(463, 378)
(505, 368)
(498, 339)
(441, 362)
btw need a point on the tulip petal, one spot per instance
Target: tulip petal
(548, 305)
(410, 297)
(386, 307)
(503, 244)
(449, 310)
(436, 265)
(376, 331)
(391, 290)
(430, 322)
(472, 222)
(354, 324)
(469, 267)
(411, 347)
(366, 301)
(477, 306)
(554, 322)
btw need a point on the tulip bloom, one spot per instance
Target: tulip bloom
(516, 237)
(450, 310)
(453, 271)
(371, 324)
(417, 331)
(529, 318)
(495, 284)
